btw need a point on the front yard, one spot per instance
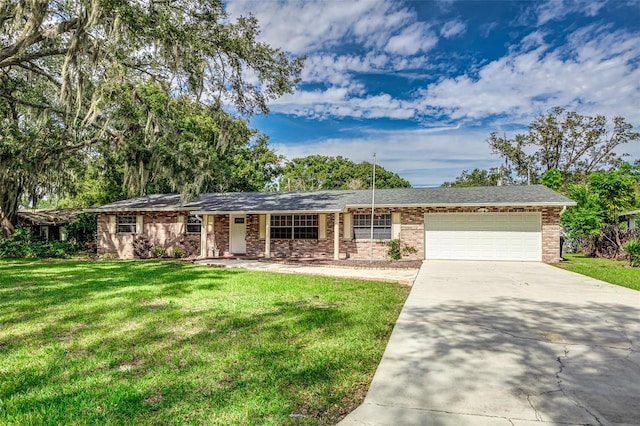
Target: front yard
(612, 271)
(168, 342)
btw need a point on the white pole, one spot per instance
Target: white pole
(373, 204)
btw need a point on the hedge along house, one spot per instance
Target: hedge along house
(473, 223)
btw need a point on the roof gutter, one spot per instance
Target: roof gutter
(547, 204)
(138, 209)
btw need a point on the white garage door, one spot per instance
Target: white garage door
(483, 236)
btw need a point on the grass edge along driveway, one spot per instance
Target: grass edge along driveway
(168, 342)
(612, 271)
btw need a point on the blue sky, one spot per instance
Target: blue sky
(423, 83)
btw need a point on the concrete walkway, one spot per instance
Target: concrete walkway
(402, 276)
(488, 343)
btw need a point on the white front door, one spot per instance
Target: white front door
(237, 234)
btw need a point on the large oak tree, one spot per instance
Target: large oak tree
(80, 75)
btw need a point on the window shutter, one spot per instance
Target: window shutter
(112, 224)
(181, 227)
(139, 224)
(63, 233)
(211, 224)
(346, 221)
(322, 226)
(395, 226)
(262, 221)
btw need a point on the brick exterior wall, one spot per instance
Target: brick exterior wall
(412, 230)
(161, 229)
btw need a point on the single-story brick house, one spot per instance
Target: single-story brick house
(482, 223)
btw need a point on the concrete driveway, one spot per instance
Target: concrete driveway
(508, 343)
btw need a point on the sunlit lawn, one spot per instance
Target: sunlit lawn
(612, 271)
(173, 343)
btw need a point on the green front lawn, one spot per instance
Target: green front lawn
(612, 271)
(167, 342)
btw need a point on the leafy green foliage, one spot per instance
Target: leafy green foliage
(179, 253)
(21, 244)
(150, 343)
(159, 251)
(83, 228)
(552, 178)
(318, 172)
(575, 144)
(587, 217)
(599, 202)
(633, 250)
(477, 177)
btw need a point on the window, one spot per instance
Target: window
(126, 224)
(194, 224)
(297, 227)
(381, 226)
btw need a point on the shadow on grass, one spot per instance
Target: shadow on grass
(152, 342)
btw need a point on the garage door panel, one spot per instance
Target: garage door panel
(482, 236)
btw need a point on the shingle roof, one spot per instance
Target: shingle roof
(472, 195)
(334, 201)
(47, 216)
(146, 203)
(629, 213)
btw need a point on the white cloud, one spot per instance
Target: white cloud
(595, 73)
(416, 38)
(343, 102)
(452, 29)
(553, 10)
(303, 26)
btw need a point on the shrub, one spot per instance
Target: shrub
(22, 244)
(633, 250)
(142, 247)
(159, 251)
(17, 245)
(179, 252)
(397, 250)
(83, 229)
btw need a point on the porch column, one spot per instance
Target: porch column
(203, 236)
(211, 229)
(336, 236)
(267, 235)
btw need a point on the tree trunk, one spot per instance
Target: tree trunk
(9, 202)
